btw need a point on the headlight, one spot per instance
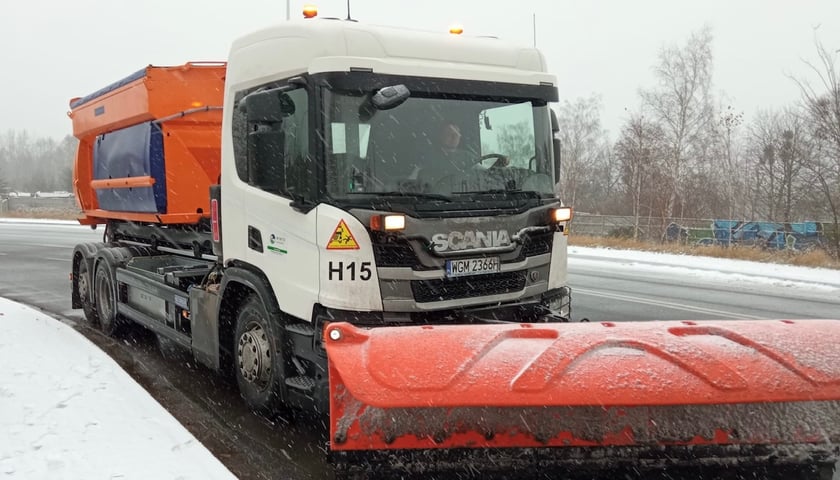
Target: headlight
(562, 214)
(387, 223)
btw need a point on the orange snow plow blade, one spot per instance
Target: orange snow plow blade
(573, 387)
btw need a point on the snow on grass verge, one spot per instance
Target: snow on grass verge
(708, 268)
(68, 411)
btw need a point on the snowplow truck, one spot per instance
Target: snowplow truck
(362, 221)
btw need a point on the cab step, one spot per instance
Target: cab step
(301, 383)
(303, 329)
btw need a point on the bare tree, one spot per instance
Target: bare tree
(781, 149)
(602, 190)
(822, 106)
(4, 184)
(682, 104)
(729, 122)
(761, 152)
(794, 154)
(36, 164)
(4, 171)
(514, 140)
(640, 149)
(585, 151)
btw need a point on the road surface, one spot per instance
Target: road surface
(35, 266)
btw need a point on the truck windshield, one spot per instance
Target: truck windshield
(438, 148)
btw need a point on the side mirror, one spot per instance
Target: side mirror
(389, 97)
(555, 141)
(269, 106)
(265, 112)
(266, 167)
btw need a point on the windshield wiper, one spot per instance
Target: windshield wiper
(518, 193)
(429, 196)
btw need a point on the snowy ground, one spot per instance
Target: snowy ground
(718, 270)
(68, 411)
(44, 221)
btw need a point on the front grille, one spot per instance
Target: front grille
(537, 245)
(467, 287)
(394, 254)
(399, 253)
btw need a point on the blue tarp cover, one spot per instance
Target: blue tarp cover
(102, 91)
(805, 228)
(135, 151)
(771, 234)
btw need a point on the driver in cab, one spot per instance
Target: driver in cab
(452, 157)
(449, 158)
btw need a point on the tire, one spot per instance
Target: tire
(258, 366)
(105, 291)
(84, 284)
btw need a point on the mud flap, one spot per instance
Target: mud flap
(561, 388)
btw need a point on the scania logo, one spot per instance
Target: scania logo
(442, 242)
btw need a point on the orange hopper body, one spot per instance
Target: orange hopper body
(150, 145)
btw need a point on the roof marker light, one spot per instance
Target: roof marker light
(310, 11)
(456, 29)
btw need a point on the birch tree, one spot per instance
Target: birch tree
(730, 174)
(681, 103)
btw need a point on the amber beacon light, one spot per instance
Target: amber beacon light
(310, 11)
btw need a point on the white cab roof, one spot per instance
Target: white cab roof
(324, 45)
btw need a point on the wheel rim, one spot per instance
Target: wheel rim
(83, 282)
(254, 356)
(104, 298)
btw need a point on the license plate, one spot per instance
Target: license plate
(472, 266)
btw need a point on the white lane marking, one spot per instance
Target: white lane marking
(57, 259)
(21, 293)
(47, 245)
(660, 303)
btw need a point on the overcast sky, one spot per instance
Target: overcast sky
(53, 50)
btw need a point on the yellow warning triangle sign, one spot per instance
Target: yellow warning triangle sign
(342, 238)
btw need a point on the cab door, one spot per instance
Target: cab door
(271, 129)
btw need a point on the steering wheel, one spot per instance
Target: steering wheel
(501, 160)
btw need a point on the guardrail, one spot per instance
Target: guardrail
(779, 235)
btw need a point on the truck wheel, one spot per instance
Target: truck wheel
(106, 297)
(258, 364)
(84, 284)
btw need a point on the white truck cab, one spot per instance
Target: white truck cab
(345, 198)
